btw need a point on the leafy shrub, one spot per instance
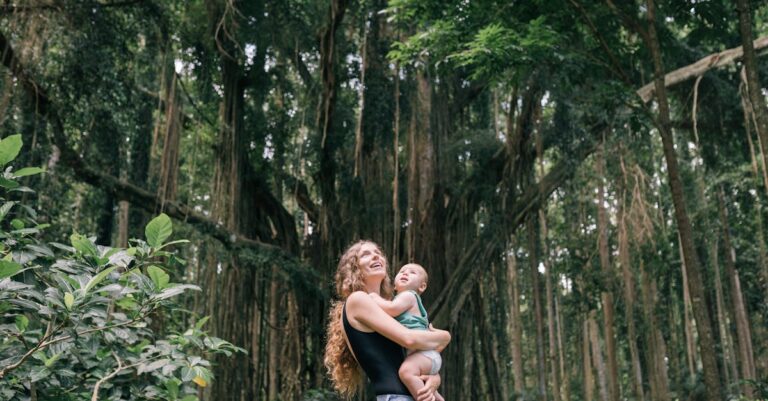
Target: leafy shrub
(75, 319)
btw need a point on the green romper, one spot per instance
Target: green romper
(414, 322)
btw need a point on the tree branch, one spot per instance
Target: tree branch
(120, 367)
(40, 345)
(300, 192)
(700, 67)
(13, 8)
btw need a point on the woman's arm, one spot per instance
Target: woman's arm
(363, 310)
(397, 306)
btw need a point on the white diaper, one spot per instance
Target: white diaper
(434, 356)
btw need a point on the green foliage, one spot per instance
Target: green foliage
(431, 42)
(495, 50)
(77, 320)
(158, 230)
(9, 148)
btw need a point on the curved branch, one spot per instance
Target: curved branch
(120, 367)
(700, 67)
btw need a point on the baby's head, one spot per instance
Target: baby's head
(411, 277)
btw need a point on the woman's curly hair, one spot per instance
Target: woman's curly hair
(345, 372)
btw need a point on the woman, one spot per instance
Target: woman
(377, 341)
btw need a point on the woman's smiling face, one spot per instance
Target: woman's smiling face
(371, 261)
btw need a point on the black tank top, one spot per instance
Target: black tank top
(379, 357)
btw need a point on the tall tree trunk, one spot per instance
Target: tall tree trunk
(597, 357)
(676, 339)
(759, 201)
(359, 138)
(692, 265)
(275, 334)
(550, 304)
(589, 378)
(607, 294)
(425, 241)
(237, 293)
(107, 153)
(138, 174)
(469, 365)
(549, 294)
(657, 368)
(690, 335)
(330, 140)
(169, 160)
(744, 334)
(533, 259)
(495, 366)
(756, 98)
(123, 207)
(480, 373)
(561, 349)
(234, 290)
(374, 127)
(395, 255)
(729, 355)
(515, 323)
(629, 297)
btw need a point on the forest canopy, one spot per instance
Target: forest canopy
(583, 180)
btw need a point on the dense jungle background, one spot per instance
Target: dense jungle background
(585, 182)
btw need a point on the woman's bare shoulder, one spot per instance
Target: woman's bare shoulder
(357, 299)
(358, 304)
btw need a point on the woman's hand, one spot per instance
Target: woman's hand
(429, 391)
(446, 338)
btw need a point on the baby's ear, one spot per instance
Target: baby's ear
(422, 287)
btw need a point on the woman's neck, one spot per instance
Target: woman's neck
(373, 287)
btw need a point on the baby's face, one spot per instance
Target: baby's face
(411, 277)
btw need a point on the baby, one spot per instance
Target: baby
(406, 307)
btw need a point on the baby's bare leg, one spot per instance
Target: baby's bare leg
(414, 366)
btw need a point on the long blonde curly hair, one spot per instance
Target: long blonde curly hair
(345, 372)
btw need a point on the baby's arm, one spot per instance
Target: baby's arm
(395, 307)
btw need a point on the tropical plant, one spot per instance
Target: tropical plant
(76, 320)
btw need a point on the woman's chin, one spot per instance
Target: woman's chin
(375, 275)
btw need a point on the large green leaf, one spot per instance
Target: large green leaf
(9, 184)
(9, 148)
(27, 171)
(8, 268)
(98, 278)
(21, 323)
(172, 387)
(83, 245)
(158, 230)
(158, 276)
(7, 206)
(69, 300)
(174, 290)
